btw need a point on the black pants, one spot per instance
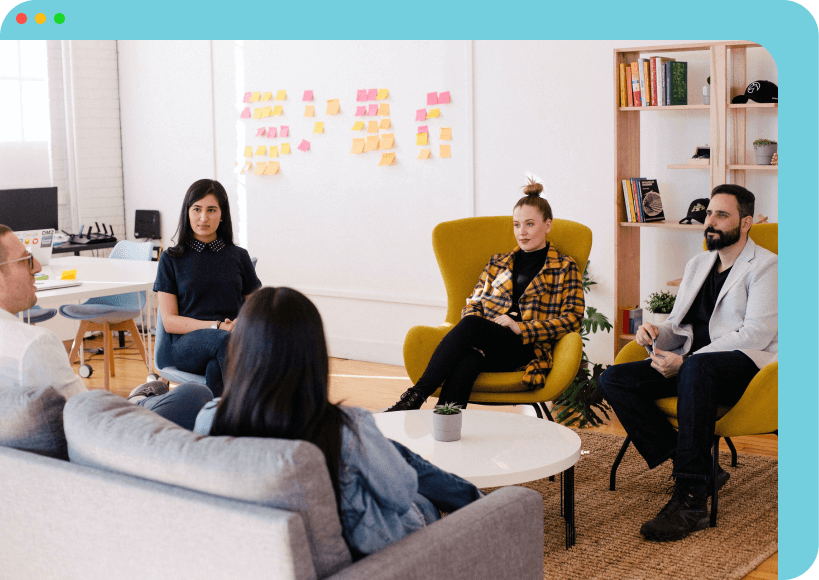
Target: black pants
(473, 346)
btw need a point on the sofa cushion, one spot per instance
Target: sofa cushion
(32, 420)
(106, 431)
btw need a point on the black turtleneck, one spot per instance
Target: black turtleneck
(527, 265)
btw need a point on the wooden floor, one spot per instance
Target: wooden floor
(376, 386)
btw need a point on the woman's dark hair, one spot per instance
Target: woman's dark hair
(277, 376)
(197, 191)
(533, 199)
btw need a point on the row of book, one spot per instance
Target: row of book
(632, 319)
(652, 82)
(642, 199)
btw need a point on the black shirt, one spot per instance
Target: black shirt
(699, 315)
(527, 265)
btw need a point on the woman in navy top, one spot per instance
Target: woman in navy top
(202, 283)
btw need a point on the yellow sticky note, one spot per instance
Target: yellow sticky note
(255, 96)
(267, 96)
(387, 159)
(382, 94)
(384, 124)
(446, 134)
(257, 113)
(358, 146)
(387, 141)
(372, 143)
(266, 112)
(309, 110)
(249, 151)
(69, 275)
(274, 150)
(372, 127)
(285, 148)
(281, 95)
(260, 167)
(277, 110)
(333, 107)
(248, 166)
(318, 127)
(433, 113)
(261, 150)
(358, 126)
(424, 154)
(384, 110)
(444, 151)
(272, 168)
(421, 139)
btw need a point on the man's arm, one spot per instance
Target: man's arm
(45, 364)
(572, 306)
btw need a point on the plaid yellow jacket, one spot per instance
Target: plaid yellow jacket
(550, 307)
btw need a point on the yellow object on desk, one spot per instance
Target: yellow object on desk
(69, 274)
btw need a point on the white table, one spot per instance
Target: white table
(495, 449)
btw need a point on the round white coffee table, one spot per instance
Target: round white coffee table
(495, 449)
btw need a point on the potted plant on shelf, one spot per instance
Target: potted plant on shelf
(764, 150)
(660, 305)
(446, 422)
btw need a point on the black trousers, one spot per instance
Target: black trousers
(473, 346)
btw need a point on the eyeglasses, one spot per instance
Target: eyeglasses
(28, 257)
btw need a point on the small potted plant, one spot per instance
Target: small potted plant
(660, 305)
(446, 422)
(764, 150)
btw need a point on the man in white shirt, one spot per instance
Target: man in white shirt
(32, 357)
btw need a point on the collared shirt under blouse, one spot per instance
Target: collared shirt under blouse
(551, 306)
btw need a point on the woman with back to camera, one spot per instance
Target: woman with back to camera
(523, 303)
(202, 283)
(276, 386)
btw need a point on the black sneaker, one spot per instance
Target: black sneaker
(722, 478)
(686, 512)
(412, 399)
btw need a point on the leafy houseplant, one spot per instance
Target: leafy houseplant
(764, 150)
(446, 422)
(578, 402)
(447, 409)
(660, 302)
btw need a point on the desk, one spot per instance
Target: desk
(66, 247)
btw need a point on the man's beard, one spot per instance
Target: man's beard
(723, 239)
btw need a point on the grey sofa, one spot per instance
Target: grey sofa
(142, 498)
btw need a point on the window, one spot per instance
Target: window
(24, 104)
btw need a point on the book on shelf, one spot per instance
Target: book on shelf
(652, 203)
(629, 89)
(647, 80)
(635, 84)
(667, 81)
(622, 71)
(679, 83)
(632, 319)
(654, 101)
(661, 84)
(638, 200)
(627, 198)
(641, 74)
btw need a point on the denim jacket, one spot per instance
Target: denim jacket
(379, 503)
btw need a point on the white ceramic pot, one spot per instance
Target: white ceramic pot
(446, 427)
(658, 318)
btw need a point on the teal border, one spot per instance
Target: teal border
(786, 29)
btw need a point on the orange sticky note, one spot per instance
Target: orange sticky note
(274, 151)
(384, 110)
(358, 145)
(261, 150)
(444, 151)
(257, 113)
(69, 275)
(421, 139)
(272, 168)
(333, 107)
(318, 127)
(446, 134)
(248, 166)
(384, 124)
(260, 167)
(309, 110)
(358, 126)
(249, 151)
(372, 127)
(433, 113)
(424, 154)
(267, 96)
(372, 143)
(266, 112)
(255, 97)
(281, 95)
(387, 141)
(382, 94)
(277, 110)
(387, 159)
(285, 148)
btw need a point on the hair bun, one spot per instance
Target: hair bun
(533, 189)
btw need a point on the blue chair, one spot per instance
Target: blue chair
(163, 360)
(111, 313)
(36, 315)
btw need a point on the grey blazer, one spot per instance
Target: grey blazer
(745, 316)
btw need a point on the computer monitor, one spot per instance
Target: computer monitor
(29, 209)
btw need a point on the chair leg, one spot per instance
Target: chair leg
(106, 357)
(75, 348)
(537, 410)
(616, 464)
(733, 451)
(547, 412)
(132, 328)
(714, 489)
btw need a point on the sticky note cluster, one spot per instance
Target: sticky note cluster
(363, 95)
(434, 99)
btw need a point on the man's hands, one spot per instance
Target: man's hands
(646, 334)
(664, 362)
(227, 325)
(509, 322)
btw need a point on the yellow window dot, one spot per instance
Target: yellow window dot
(40, 18)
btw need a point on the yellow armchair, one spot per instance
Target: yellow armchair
(463, 248)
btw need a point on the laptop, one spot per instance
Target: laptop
(55, 284)
(39, 243)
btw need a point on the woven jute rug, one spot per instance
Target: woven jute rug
(609, 544)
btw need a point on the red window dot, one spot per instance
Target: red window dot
(21, 18)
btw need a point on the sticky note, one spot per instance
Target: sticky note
(372, 94)
(278, 110)
(358, 126)
(382, 94)
(358, 145)
(247, 97)
(387, 141)
(267, 96)
(308, 96)
(260, 167)
(387, 159)
(271, 132)
(373, 110)
(281, 95)
(285, 148)
(261, 150)
(248, 166)
(384, 124)
(274, 151)
(444, 151)
(423, 128)
(446, 134)
(257, 113)
(255, 96)
(309, 111)
(272, 168)
(284, 131)
(421, 139)
(384, 109)
(421, 115)
(372, 143)
(434, 113)
(424, 154)
(260, 132)
(372, 127)
(333, 106)
(245, 113)
(304, 145)
(432, 98)
(69, 274)
(266, 112)
(318, 127)
(443, 98)
(248, 151)
(361, 95)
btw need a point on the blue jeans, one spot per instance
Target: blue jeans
(202, 352)
(703, 382)
(181, 404)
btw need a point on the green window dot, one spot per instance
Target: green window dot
(59, 18)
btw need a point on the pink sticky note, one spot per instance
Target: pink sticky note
(285, 131)
(443, 98)
(271, 132)
(432, 98)
(304, 145)
(361, 95)
(247, 97)
(260, 132)
(246, 113)
(421, 115)
(373, 110)
(423, 129)
(360, 111)
(308, 96)
(372, 94)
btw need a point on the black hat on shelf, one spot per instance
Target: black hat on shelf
(759, 91)
(696, 212)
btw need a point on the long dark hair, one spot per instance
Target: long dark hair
(277, 376)
(197, 191)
